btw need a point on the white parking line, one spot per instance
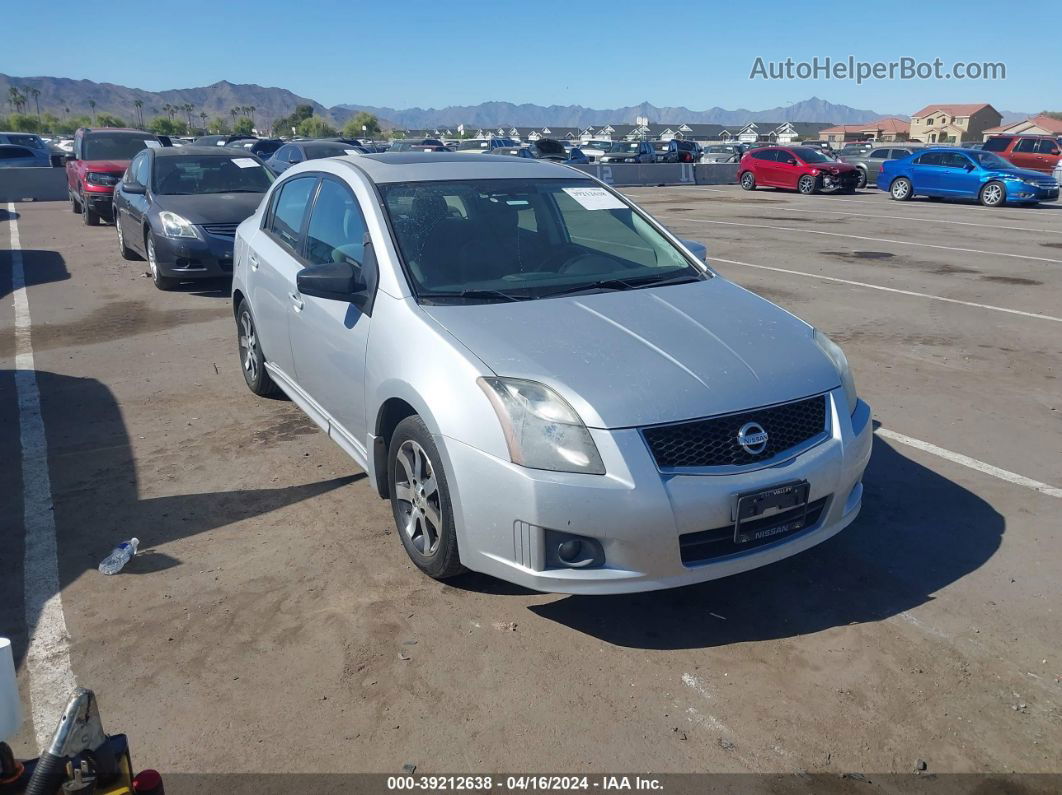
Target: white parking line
(875, 239)
(817, 211)
(972, 463)
(51, 679)
(913, 293)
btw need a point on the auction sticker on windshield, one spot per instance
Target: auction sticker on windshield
(245, 162)
(153, 144)
(595, 198)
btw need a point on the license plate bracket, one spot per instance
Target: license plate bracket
(750, 524)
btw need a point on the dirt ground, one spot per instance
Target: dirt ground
(274, 623)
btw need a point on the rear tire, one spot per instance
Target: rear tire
(901, 189)
(861, 180)
(420, 500)
(75, 208)
(126, 252)
(747, 180)
(993, 194)
(252, 360)
(161, 282)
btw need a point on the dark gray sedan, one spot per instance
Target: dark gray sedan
(869, 163)
(179, 208)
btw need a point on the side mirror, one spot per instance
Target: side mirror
(134, 188)
(699, 250)
(336, 281)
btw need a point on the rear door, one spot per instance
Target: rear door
(873, 162)
(328, 337)
(1047, 155)
(273, 261)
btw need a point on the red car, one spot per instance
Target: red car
(1036, 152)
(800, 168)
(100, 158)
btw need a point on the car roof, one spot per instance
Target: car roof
(439, 166)
(203, 151)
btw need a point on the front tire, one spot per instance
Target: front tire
(252, 360)
(806, 185)
(89, 217)
(901, 189)
(748, 181)
(420, 500)
(162, 282)
(993, 194)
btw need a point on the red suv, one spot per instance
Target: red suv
(801, 168)
(1036, 152)
(99, 160)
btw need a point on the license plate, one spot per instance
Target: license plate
(753, 511)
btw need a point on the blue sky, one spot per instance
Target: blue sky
(599, 54)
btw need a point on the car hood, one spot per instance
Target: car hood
(106, 166)
(651, 355)
(211, 208)
(1019, 173)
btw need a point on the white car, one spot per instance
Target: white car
(548, 386)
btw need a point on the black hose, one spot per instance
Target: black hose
(48, 776)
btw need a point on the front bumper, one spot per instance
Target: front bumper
(206, 257)
(100, 199)
(1022, 192)
(638, 514)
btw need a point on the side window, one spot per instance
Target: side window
(930, 159)
(1048, 147)
(282, 153)
(955, 160)
(881, 153)
(141, 169)
(289, 209)
(996, 144)
(13, 153)
(761, 154)
(897, 153)
(294, 155)
(336, 232)
(1026, 145)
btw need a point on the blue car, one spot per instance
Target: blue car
(12, 156)
(964, 174)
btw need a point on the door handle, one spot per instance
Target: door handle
(296, 301)
(251, 258)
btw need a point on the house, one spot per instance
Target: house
(887, 129)
(953, 123)
(1034, 125)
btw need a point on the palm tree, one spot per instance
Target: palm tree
(15, 99)
(36, 93)
(139, 105)
(251, 109)
(92, 104)
(188, 109)
(203, 118)
(235, 112)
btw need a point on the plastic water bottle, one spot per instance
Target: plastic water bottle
(120, 555)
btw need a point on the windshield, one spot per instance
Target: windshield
(989, 160)
(624, 146)
(197, 174)
(717, 150)
(812, 155)
(115, 146)
(472, 145)
(523, 239)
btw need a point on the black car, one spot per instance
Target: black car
(263, 147)
(179, 208)
(679, 151)
(299, 151)
(418, 145)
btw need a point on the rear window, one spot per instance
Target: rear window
(314, 151)
(996, 144)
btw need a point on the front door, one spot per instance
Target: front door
(329, 337)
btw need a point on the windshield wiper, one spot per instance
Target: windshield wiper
(624, 284)
(497, 295)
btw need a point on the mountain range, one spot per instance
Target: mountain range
(64, 96)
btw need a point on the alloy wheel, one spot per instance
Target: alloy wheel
(417, 492)
(152, 262)
(746, 180)
(901, 189)
(807, 184)
(993, 194)
(248, 347)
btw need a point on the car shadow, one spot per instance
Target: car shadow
(7, 215)
(95, 495)
(208, 288)
(918, 533)
(40, 266)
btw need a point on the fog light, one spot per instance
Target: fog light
(570, 551)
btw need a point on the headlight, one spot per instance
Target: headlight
(840, 361)
(96, 178)
(541, 429)
(176, 226)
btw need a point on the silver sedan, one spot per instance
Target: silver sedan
(546, 384)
